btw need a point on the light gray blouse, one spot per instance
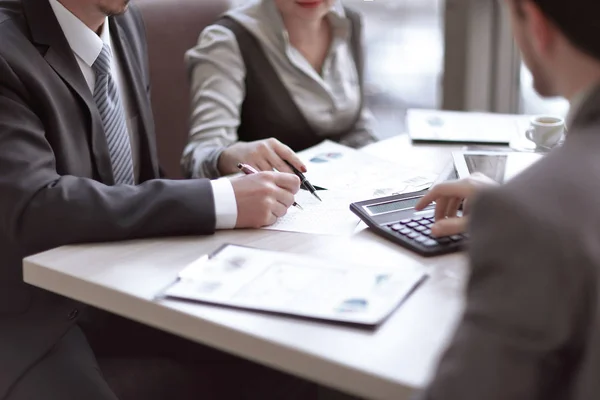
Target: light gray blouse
(218, 75)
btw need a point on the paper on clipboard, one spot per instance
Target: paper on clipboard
(283, 283)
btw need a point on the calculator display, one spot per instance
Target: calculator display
(391, 206)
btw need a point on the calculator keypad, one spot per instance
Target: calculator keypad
(419, 230)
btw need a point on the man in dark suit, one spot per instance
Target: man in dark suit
(531, 328)
(78, 164)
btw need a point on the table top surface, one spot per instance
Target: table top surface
(385, 363)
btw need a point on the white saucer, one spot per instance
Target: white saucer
(525, 145)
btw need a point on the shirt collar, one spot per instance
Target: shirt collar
(83, 41)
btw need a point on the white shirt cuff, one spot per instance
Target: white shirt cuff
(225, 203)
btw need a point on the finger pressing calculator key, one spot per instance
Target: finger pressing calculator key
(395, 219)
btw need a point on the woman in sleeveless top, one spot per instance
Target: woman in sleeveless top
(272, 78)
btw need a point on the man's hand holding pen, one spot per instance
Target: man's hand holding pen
(249, 170)
(262, 197)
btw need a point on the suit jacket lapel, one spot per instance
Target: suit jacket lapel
(139, 91)
(46, 31)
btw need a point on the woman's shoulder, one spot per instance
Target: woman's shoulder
(225, 30)
(214, 39)
(223, 38)
(217, 43)
(250, 17)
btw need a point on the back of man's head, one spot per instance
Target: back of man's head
(560, 43)
(579, 21)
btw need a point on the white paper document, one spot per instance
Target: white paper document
(284, 283)
(337, 167)
(465, 127)
(349, 176)
(332, 216)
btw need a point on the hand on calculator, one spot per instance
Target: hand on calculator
(450, 197)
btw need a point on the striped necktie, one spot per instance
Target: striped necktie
(112, 113)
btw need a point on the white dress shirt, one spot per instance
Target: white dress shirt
(327, 100)
(86, 46)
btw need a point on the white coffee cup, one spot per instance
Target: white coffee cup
(546, 131)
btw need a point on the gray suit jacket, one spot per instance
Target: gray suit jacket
(56, 176)
(531, 328)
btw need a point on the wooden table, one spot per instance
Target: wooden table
(387, 363)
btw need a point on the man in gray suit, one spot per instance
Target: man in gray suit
(531, 328)
(78, 163)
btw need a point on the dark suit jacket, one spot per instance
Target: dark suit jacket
(531, 329)
(56, 176)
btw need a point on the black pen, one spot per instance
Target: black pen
(248, 170)
(307, 185)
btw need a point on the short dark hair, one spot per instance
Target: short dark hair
(579, 20)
